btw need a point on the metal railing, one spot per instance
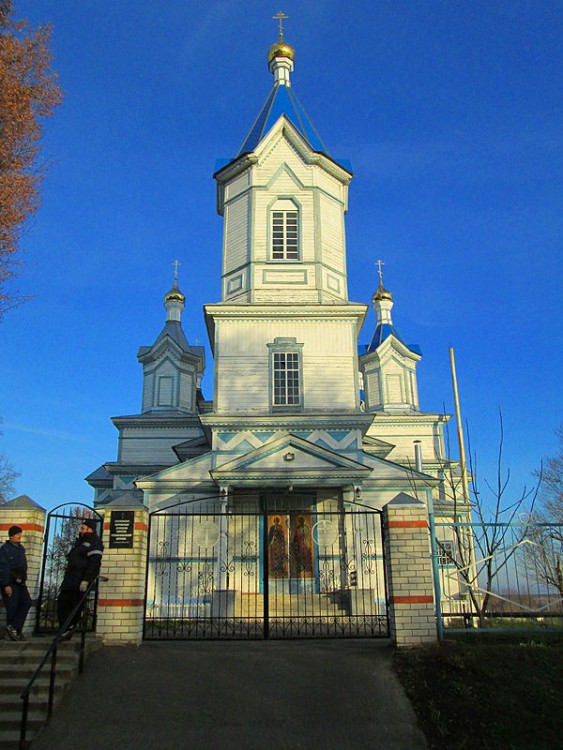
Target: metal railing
(52, 652)
(499, 576)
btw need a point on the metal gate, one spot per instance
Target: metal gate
(284, 570)
(63, 524)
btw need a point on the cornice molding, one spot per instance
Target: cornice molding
(115, 468)
(287, 422)
(169, 421)
(400, 419)
(353, 310)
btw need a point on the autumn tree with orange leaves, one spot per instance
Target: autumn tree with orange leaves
(29, 92)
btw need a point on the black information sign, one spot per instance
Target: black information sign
(121, 528)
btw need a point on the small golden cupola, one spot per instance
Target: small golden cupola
(281, 56)
(174, 300)
(281, 49)
(381, 294)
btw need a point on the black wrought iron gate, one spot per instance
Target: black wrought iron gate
(280, 572)
(62, 527)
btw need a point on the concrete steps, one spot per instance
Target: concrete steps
(18, 661)
(290, 605)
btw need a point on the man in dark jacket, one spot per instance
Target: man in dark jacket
(84, 560)
(13, 575)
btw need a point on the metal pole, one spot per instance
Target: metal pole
(52, 683)
(435, 571)
(265, 568)
(462, 461)
(42, 582)
(418, 455)
(83, 624)
(23, 725)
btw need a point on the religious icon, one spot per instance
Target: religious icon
(277, 557)
(302, 550)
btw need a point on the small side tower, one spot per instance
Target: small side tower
(389, 365)
(172, 369)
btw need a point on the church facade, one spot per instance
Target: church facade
(267, 501)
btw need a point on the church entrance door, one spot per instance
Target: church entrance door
(290, 567)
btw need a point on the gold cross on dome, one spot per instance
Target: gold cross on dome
(379, 264)
(176, 264)
(281, 17)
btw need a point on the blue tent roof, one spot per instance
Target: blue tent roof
(382, 332)
(282, 100)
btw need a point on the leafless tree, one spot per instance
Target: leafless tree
(482, 525)
(545, 552)
(8, 476)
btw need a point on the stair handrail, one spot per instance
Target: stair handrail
(52, 652)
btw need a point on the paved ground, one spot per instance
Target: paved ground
(265, 695)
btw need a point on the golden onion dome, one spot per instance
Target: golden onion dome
(382, 294)
(281, 49)
(174, 295)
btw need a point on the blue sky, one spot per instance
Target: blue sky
(451, 114)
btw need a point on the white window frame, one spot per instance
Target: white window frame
(285, 239)
(446, 553)
(286, 377)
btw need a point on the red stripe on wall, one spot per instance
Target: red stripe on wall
(121, 602)
(23, 526)
(407, 524)
(412, 599)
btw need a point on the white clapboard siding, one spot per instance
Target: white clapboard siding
(328, 362)
(243, 384)
(148, 387)
(238, 185)
(332, 233)
(282, 152)
(187, 392)
(330, 185)
(326, 336)
(153, 445)
(291, 295)
(236, 233)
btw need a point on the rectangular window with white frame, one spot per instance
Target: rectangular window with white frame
(286, 378)
(446, 553)
(285, 369)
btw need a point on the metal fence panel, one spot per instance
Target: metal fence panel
(278, 573)
(512, 572)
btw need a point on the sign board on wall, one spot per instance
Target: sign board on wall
(121, 527)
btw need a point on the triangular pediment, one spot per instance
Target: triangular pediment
(193, 471)
(286, 129)
(376, 447)
(191, 448)
(392, 345)
(282, 170)
(290, 460)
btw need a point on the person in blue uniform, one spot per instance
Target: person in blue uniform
(13, 575)
(83, 566)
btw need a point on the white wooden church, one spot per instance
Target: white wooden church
(306, 424)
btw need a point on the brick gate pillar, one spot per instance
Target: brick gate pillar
(121, 599)
(24, 512)
(408, 562)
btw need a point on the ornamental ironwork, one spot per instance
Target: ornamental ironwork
(291, 572)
